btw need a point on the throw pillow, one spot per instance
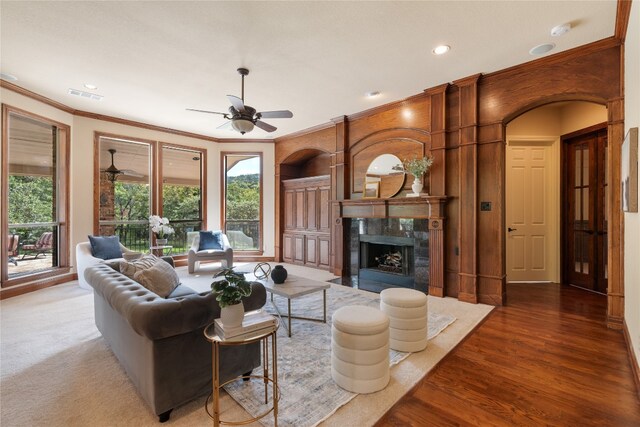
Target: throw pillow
(130, 256)
(160, 279)
(130, 268)
(105, 247)
(210, 240)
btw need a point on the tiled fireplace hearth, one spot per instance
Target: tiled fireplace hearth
(392, 251)
(393, 242)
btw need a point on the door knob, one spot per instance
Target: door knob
(511, 229)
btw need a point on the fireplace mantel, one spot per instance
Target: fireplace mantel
(425, 207)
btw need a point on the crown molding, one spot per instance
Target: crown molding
(557, 58)
(112, 119)
(623, 13)
(36, 96)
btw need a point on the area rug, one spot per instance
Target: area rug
(308, 394)
(56, 369)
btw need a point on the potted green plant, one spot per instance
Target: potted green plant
(229, 292)
(417, 167)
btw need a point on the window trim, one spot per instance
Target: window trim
(63, 208)
(155, 177)
(223, 196)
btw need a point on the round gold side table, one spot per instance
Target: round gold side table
(265, 336)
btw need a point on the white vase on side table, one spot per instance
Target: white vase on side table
(232, 315)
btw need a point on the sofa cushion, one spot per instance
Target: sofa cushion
(210, 240)
(130, 268)
(181, 291)
(160, 279)
(105, 247)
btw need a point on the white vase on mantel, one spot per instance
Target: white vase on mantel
(416, 187)
(232, 315)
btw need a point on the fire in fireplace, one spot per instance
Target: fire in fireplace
(387, 259)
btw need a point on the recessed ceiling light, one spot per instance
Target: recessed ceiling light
(372, 94)
(440, 50)
(559, 30)
(90, 86)
(8, 77)
(541, 49)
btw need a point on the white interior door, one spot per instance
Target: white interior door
(532, 211)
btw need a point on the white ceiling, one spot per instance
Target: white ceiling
(151, 60)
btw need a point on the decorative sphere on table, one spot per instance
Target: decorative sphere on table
(262, 270)
(278, 274)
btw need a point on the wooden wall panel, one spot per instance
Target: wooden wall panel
(465, 122)
(589, 72)
(316, 166)
(412, 113)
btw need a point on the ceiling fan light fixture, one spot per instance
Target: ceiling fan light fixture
(242, 125)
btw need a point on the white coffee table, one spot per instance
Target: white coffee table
(294, 287)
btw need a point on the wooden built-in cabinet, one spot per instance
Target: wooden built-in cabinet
(306, 239)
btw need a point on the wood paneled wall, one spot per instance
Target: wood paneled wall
(462, 125)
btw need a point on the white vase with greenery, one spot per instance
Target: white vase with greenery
(229, 293)
(417, 167)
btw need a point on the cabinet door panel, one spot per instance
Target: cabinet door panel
(310, 254)
(289, 210)
(324, 244)
(300, 210)
(287, 249)
(298, 249)
(311, 209)
(323, 209)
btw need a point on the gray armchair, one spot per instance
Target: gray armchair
(196, 255)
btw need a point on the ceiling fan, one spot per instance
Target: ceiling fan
(243, 118)
(113, 172)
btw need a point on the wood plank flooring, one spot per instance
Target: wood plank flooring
(546, 358)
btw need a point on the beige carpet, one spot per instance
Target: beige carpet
(56, 370)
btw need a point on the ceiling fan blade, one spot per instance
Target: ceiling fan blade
(206, 111)
(225, 126)
(280, 114)
(130, 172)
(265, 126)
(237, 103)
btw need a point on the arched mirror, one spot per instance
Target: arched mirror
(384, 178)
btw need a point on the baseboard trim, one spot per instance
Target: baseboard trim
(632, 357)
(14, 291)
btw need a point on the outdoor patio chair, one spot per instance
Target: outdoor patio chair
(42, 246)
(12, 247)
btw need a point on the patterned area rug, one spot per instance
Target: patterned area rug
(308, 394)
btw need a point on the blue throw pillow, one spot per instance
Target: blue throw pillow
(105, 247)
(210, 240)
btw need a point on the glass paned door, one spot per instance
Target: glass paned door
(34, 196)
(585, 232)
(125, 191)
(182, 194)
(242, 203)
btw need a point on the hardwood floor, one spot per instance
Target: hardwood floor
(546, 358)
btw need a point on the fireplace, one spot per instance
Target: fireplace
(387, 259)
(390, 252)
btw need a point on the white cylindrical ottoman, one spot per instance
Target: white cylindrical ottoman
(360, 349)
(407, 311)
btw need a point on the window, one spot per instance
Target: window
(35, 197)
(182, 194)
(242, 201)
(125, 190)
(128, 191)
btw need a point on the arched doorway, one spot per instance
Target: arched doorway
(555, 221)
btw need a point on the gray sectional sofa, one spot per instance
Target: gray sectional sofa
(160, 342)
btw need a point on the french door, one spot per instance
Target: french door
(585, 219)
